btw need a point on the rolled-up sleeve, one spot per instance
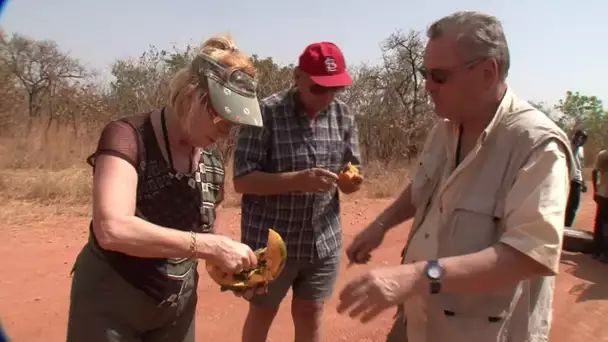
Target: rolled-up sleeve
(535, 206)
(250, 149)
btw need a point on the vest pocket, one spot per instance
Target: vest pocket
(471, 328)
(474, 227)
(491, 308)
(471, 230)
(477, 317)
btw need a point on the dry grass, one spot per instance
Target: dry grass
(55, 149)
(383, 180)
(44, 174)
(15, 213)
(70, 186)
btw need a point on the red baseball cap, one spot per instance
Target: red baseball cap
(324, 63)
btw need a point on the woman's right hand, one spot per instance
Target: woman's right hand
(231, 256)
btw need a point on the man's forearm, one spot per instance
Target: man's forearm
(399, 211)
(486, 271)
(263, 183)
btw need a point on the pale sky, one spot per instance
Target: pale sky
(556, 45)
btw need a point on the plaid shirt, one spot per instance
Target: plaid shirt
(290, 141)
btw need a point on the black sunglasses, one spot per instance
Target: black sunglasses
(441, 76)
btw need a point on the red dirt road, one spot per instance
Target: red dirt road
(36, 261)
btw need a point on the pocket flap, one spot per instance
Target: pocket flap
(494, 307)
(480, 205)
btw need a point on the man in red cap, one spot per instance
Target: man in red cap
(287, 173)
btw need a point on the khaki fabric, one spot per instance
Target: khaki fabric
(511, 189)
(601, 165)
(398, 332)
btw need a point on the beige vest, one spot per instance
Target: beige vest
(601, 165)
(520, 313)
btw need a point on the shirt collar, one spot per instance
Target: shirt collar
(298, 108)
(504, 108)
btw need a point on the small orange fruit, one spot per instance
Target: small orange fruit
(348, 172)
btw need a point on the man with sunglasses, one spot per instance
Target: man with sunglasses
(488, 200)
(287, 173)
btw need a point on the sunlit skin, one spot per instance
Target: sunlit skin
(314, 97)
(466, 92)
(306, 313)
(204, 129)
(200, 128)
(471, 86)
(186, 124)
(205, 126)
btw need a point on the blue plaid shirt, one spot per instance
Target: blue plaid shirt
(290, 141)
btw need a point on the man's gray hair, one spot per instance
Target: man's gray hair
(479, 36)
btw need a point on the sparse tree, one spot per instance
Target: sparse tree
(40, 67)
(388, 98)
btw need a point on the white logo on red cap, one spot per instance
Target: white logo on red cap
(330, 65)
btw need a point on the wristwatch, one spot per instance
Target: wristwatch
(434, 272)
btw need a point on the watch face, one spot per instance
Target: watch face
(434, 272)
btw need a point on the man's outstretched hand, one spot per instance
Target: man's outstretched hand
(367, 296)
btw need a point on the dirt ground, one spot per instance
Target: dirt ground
(36, 261)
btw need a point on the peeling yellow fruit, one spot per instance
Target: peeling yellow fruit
(271, 261)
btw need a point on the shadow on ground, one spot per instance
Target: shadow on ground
(593, 273)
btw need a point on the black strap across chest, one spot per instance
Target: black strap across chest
(459, 147)
(163, 125)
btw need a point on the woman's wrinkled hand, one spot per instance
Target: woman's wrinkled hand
(232, 256)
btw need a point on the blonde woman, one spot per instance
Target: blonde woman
(156, 187)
